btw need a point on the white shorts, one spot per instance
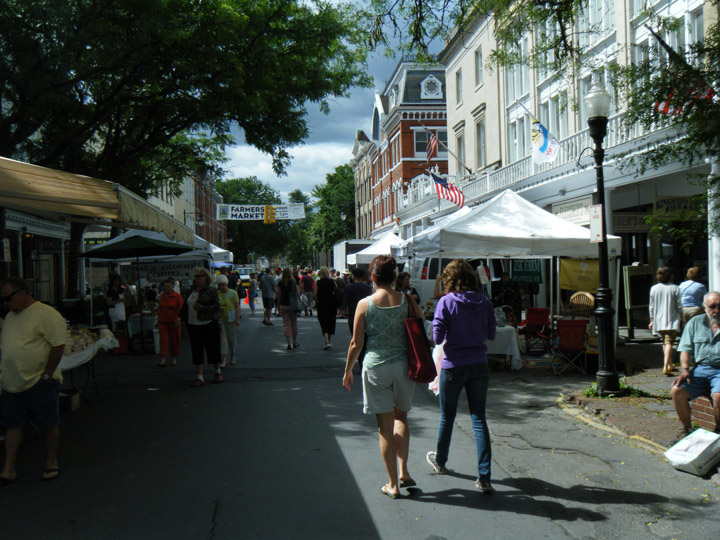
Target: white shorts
(385, 387)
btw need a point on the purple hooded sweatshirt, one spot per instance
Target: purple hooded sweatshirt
(466, 320)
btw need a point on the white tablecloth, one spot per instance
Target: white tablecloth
(78, 358)
(506, 343)
(133, 324)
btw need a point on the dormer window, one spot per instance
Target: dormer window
(431, 88)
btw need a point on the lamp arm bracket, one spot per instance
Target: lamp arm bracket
(577, 163)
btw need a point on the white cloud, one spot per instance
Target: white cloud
(310, 164)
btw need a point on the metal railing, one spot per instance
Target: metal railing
(483, 184)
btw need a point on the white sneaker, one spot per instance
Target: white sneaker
(326, 347)
(432, 460)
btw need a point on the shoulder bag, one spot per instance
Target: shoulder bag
(421, 367)
(295, 303)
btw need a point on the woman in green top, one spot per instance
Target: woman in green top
(228, 319)
(387, 390)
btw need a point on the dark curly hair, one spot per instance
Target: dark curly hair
(383, 268)
(459, 276)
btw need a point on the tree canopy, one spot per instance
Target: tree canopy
(113, 89)
(334, 198)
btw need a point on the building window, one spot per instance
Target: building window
(478, 67)
(480, 146)
(518, 139)
(458, 86)
(421, 143)
(518, 76)
(431, 88)
(460, 152)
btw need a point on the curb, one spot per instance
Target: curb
(578, 414)
(651, 446)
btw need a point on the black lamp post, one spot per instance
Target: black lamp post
(597, 105)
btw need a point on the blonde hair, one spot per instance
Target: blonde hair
(205, 272)
(323, 272)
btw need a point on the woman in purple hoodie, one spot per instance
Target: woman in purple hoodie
(464, 320)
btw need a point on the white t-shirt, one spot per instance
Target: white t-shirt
(192, 314)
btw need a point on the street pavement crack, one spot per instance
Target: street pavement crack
(213, 523)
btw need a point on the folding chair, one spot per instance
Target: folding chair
(537, 329)
(570, 346)
(582, 304)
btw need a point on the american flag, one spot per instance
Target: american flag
(431, 148)
(448, 191)
(666, 106)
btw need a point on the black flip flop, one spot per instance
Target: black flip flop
(7, 481)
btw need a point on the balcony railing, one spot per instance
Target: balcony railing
(483, 184)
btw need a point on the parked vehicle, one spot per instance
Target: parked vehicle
(244, 274)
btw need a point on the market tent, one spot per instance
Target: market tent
(73, 197)
(405, 247)
(137, 243)
(383, 246)
(508, 226)
(215, 253)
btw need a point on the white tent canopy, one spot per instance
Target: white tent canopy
(383, 246)
(215, 253)
(508, 226)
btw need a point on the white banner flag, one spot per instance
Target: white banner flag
(256, 212)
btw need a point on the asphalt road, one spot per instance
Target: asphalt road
(280, 450)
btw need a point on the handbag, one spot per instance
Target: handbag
(294, 301)
(421, 367)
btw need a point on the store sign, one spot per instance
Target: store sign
(677, 208)
(259, 212)
(576, 211)
(629, 222)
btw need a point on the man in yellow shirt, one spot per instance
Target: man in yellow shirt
(32, 344)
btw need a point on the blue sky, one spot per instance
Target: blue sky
(330, 143)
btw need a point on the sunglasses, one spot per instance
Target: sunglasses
(713, 306)
(6, 299)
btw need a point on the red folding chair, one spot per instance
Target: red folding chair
(537, 329)
(571, 346)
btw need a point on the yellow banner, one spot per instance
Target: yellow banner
(579, 275)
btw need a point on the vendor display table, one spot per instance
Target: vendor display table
(506, 343)
(134, 326)
(85, 357)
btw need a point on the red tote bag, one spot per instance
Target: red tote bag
(421, 367)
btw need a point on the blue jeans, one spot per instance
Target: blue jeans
(474, 378)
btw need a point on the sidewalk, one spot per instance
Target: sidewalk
(647, 416)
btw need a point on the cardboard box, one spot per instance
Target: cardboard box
(697, 453)
(70, 400)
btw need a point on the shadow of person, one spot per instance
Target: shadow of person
(515, 502)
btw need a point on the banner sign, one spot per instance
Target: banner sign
(579, 275)
(256, 212)
(526, 270)
(158, 272)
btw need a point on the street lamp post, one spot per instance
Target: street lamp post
(597, 105)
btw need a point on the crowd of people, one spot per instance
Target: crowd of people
(376, 304)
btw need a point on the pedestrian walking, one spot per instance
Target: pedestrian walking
(252, 293)
(464, 320)
(267, 288)
(287, 286)
(402, 284)
(228, 320)
(115, 301)
(691, 294)
(202, 310)
(356, 291)
(326, 300)
(387, 389)
(168, 323)
(665, 315)
(307, 284)
(32, 343)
